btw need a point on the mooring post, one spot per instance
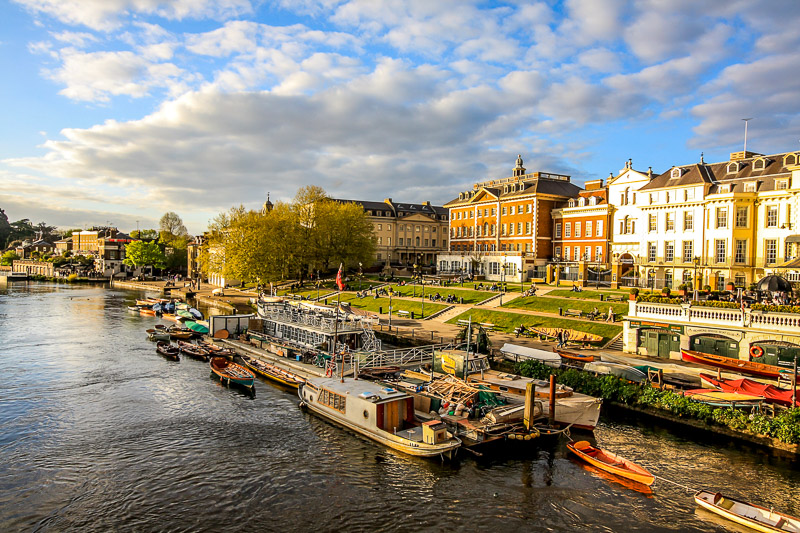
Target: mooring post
(552, 400)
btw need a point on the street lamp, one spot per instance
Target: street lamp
(696, 262)
(360, 274)
(521, 282)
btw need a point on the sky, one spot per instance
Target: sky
(117, 111)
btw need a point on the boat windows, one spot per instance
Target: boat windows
(332, 400)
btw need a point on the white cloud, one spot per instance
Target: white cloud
(76, 39)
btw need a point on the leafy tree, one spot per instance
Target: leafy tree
(140, 253)
(5, 229)
(22, 229)
(46, 231)
(8, 258)
(145, 234)
(173, 224)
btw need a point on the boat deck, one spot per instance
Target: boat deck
(412, 434)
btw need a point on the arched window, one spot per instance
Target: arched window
(790, 159)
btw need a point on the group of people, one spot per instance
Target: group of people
(595, 314)
(451, 299)
(530, 292)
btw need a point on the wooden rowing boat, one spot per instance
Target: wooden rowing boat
(231, 373)
(272, 372)
(611, 463)
(168, 350)
(575, 356)
(750, 515)
(216, 351)
(194, 351)
(718, 398)
(572, 334)
(770, 393)
(735, 365)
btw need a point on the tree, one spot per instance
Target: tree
(173, 224)
(140, 253)
(145, 234)
(5, 229)
(8, 258)
(22, 229)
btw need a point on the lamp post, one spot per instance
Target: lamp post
(360, 274)
(390, 307)
(521, 282)
(695, 261)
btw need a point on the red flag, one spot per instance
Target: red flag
(339, 280)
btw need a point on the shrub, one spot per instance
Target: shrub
(682, 287)
(666, 291)
(635, 291)
(72, 278)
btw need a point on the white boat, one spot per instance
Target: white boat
(616, 369)
(516, 353)
(382, 414)
(753, 516)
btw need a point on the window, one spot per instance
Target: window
(380, 240)
(750, 187)
(741, 217)
(511, 229)
(529, 208)
(388, 241)
(771, 251)
(670, 221)
(598, 254)
(772, 216)
(332, 399)
(558, 230)
(740, 251)
(400, 239)
(688, 221)
(652, 222)
(781, 185)
(566, 253)
(599, 228)
(669, 251)
(494, 211)
(690, 194)
(527, 228)
(651, 252)
(380, 226)
(511, 210)
(589, 228)
(417, 229)
(722, 217)
(557, 251)
(426, 242)
(688, 251)
(416, 240)
(577, 229)
(788, 251)
(719, 247)
(578, 253)
(519, 228)
(494, 268)
(568, 229)
(503, 229)
(504, 210)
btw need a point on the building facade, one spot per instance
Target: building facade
(503, 229)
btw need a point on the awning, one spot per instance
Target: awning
(793, 238)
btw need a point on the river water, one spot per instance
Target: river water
(99, 433)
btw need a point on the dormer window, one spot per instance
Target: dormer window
(760, 163)
(676, 173)
(790, 159)
(724, 189)
(734, 167)
(750, 187)
(582, 202)
(571, 203)
(521, 187)
(593, 200)
(505, 189)
(461, 196)
(781, 185)
(513, 188)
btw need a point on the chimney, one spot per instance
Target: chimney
(649, 172)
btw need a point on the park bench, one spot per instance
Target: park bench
(403, 314)
(573, 312)
(615, 298)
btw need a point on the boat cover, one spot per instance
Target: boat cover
(531, 353)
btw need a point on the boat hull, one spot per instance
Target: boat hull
(753, 516)
(273, 373)
(231, 373)
(611, 463)
(734, 365)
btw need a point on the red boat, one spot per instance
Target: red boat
(748, 386)
(734, 365)
(575, 356)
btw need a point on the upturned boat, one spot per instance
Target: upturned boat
(616, 369)
(168, 350)
(272, 372)
(382, 414)
(230, 373)
(728, 363)
(611, 463)
(750, 515)
(770, 393)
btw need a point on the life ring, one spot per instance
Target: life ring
(756, 351)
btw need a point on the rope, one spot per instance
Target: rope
(677, 484)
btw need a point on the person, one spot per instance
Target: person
(610, 315)
(560, 338)
(595, 313)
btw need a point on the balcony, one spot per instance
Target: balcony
(769, 322)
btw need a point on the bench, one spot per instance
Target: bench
(573, 312)
(403, 314)
(615, 298)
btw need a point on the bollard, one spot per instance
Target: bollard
(380, 310)
(431, 336)
(601, 297)
(560, 311)
(412, 315)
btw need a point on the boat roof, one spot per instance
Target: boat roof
(366, 390)
(530, 352)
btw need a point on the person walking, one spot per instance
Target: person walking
(560, 337)
(610, 315)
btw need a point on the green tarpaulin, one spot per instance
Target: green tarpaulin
(194, 326)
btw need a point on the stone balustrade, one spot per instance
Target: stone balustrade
(714, 316)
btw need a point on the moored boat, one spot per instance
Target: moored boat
(735, 365)
(272, 372)
(216, 351)
(750, 515)
(194, 351)
(718, 398)
(611, 463)
(616, 369)
(384, 415)
(231, 373)
(770, 393)
(575, 356)
(516, 353)
(168, 350)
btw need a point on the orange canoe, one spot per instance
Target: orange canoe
(611, 463)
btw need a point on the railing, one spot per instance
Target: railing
(713, 316)
(408, 356)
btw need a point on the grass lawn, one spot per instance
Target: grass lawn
(587, 294)
(470, 296)
(373, 304)
(551, 305)
(507, 322)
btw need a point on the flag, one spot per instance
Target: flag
(339, 280)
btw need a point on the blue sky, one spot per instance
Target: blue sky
(116, 111)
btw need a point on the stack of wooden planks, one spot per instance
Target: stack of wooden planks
(452, 389)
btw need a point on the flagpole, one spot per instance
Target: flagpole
(340, 286)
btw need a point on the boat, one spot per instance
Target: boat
(194, 351)
(718, 398)
(231, 373)
(575, 356)
(770, 393)
(180, 335)
(168, 350)
(572, 334)
(272, 372)
(216, 351)
(616, 369)
(610, 462)
(728, 363)
(380, 413)
(157, 335)
(753, 516)
(516, 353)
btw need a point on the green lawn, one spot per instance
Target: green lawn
(551, 305)
(470, 296)
(587, 294)
(507, 322)
(377, 304)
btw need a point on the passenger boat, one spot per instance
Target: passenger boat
(770, 393)
(750, 515)
(382, 414)
(272, 372)
(611, 463)
(231, 373)
(194, 351)
(728, 363)
(575, 356)
(168, 350)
